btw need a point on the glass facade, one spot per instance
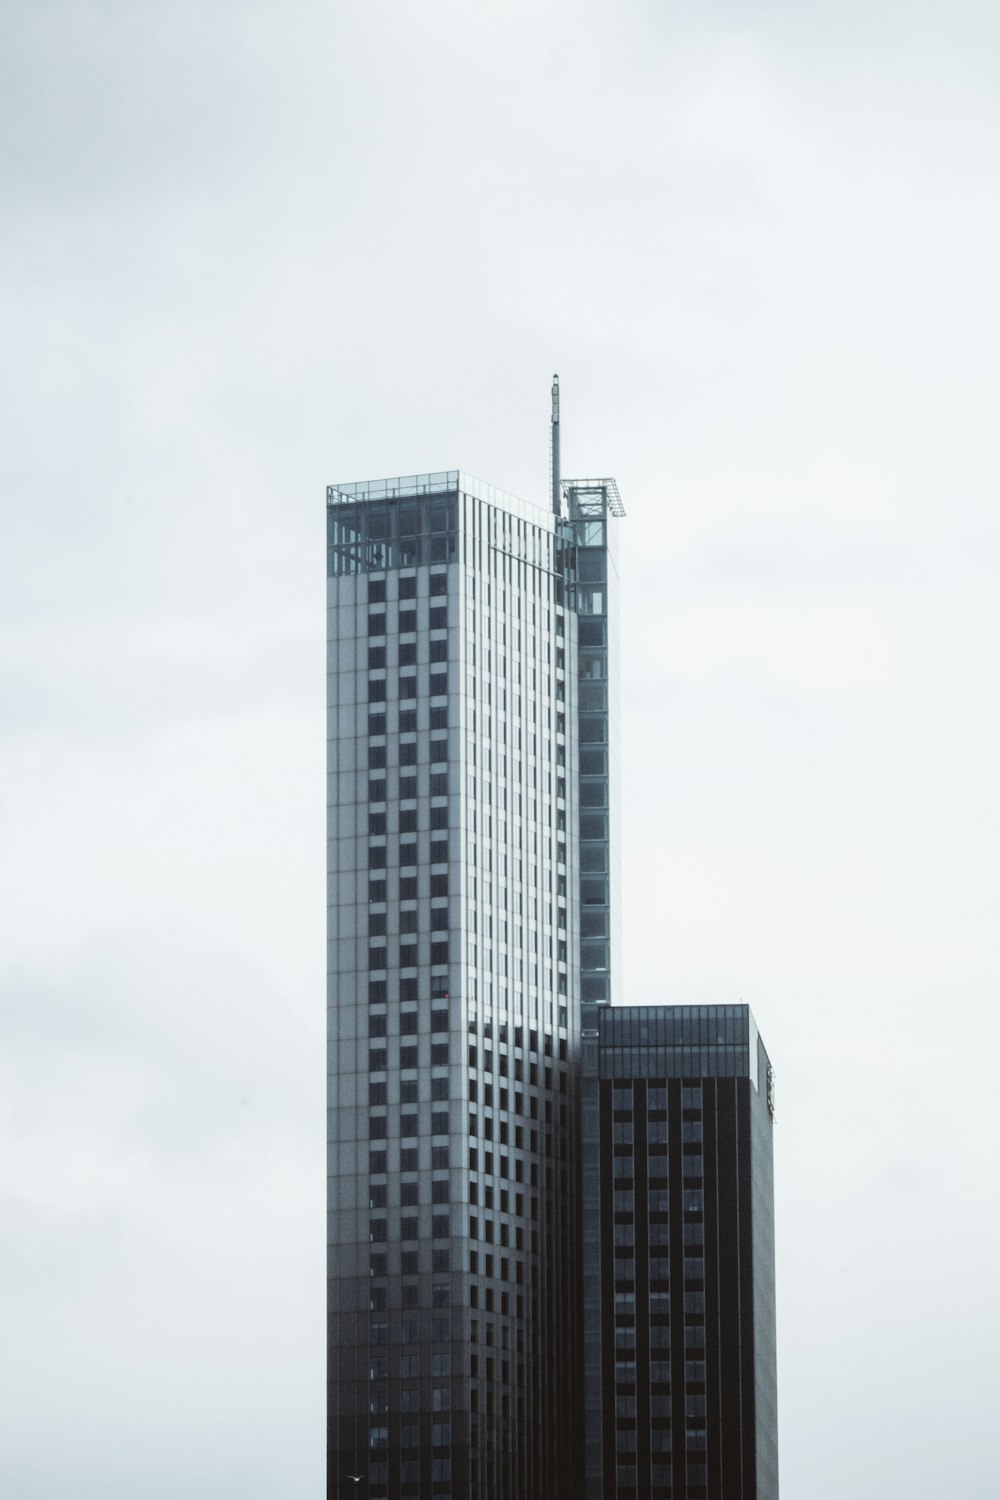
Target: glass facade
(454, 943)
(550, 1223)
(680, 1383)
(589, 562)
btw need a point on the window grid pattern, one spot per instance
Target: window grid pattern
(453, 1001)
(679, 1329)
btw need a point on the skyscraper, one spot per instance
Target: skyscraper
(473, 918)
(456, 674)
(678, 1195)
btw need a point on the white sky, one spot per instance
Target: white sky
(246, 249)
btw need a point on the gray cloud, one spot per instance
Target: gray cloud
(244, 252)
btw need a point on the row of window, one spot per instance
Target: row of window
(409, 1473)
(623, 1131)
(693, 1235)
(409, 1262)
(410, 1091)
(408, 749)
(409, 1396)
(407, 1055)
(408, 820)
(351, 552)
(409, 1124)
(407, 954)
(408, 1159)
(436, 686)
(409, 918)
(409, 1437)
(407, 1331)
(408, 722)
(407, 785)
(406, 587)
(656, 1096)
(409, 1228)
(408, 1365)
(692, 1200)
(407, 852)
(406, 625)
(406, 653)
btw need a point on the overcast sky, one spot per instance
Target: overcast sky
(247, 249)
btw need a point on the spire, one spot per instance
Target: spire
(556, 475)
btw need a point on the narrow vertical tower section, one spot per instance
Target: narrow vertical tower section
(589, 563)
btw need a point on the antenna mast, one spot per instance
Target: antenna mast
(556, 475)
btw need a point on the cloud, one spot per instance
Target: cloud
(246, 251)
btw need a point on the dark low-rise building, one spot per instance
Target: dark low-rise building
(678, 1255)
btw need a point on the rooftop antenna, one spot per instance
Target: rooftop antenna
(556, 476)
